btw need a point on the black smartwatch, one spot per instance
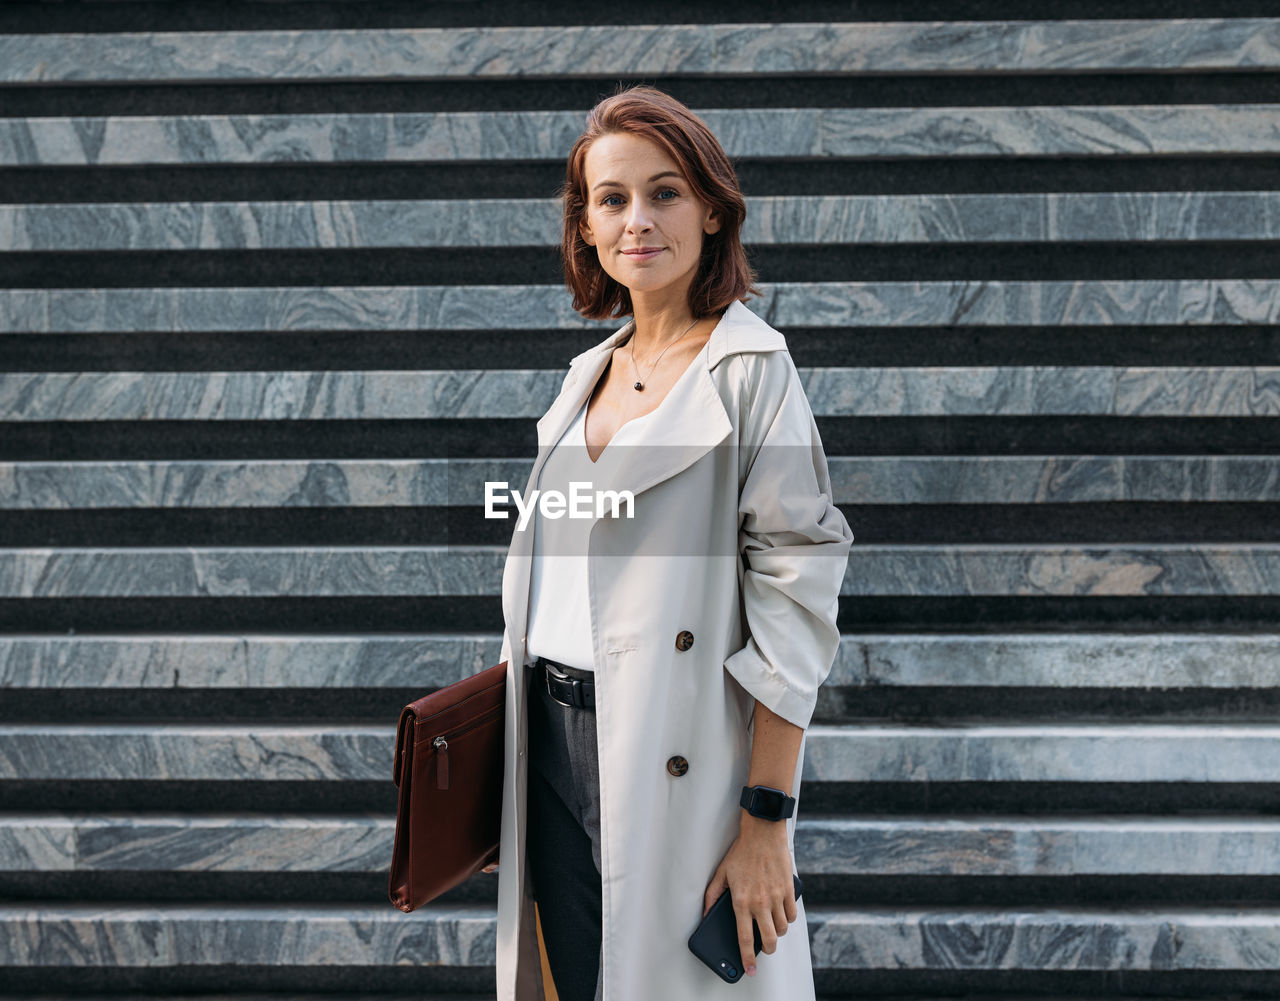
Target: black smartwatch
(767, 802)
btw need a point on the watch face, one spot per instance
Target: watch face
(768, 801)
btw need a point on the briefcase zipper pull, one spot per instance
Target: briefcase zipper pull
(442, 762)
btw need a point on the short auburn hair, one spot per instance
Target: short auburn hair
(724, 273)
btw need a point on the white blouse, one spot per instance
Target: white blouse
(559, 625)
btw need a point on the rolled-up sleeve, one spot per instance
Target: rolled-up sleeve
(794, 541)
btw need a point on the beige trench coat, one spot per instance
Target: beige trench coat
(708, 499)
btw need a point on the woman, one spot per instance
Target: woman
(663, 659)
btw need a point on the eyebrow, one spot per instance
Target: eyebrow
(618, 184)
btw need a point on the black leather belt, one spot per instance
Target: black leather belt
(568, 691)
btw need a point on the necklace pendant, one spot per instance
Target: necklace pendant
(639, 385)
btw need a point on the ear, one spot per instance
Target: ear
(712, 222)
(585, 231)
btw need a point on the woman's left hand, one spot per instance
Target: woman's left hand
(757, 869)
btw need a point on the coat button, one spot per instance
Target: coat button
(684, 640)
(677, 765)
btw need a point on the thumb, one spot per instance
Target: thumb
(719, 883)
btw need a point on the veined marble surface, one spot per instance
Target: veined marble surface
(950, 570)
(1057, 479)
(1043, 752)
(900, 846)
(989, 845)
(533, 51)
(881, 938)
(834, 305)
(265, 752)
(1002, 938)
(765, 133)
(962, 752)
(195, 843)
(1166, 659)
(433, 660)
(895, 391)
(1043, 571)
(209, 933)
(847, 220)
(269, 483)
(311, 934)
(425, 660)
(253, 570)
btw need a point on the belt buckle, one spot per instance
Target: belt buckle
(575, 687)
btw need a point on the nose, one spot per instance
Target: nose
(638, 218)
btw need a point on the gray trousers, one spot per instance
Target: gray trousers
(563, 839)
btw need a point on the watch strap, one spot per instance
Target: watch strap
(747, 799)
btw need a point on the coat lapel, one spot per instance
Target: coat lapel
(689, 422)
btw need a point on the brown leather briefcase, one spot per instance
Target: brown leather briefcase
(449, 756)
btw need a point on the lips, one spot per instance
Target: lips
(641, 255)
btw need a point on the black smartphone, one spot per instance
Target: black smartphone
(715, 940)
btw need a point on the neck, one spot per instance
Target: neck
(649, 338)
(661, 317)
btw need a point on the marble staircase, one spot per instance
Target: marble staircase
(279, 290)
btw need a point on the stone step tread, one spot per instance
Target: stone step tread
(541, 51)
(804, 133)
(979, 845)
(940, 570)
(840, 307)
(773, 220)
(984, 752)
(870, 391)
(964, 479)
(425, 661)
(842, 937)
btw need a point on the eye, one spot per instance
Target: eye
(605, 200)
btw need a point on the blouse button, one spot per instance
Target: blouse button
(684, 640)
(677, 765)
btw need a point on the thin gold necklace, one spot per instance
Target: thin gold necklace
(632, 350)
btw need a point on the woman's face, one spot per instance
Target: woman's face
(637, 197)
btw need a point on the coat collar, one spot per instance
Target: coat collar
(698, 412)
(690, 421)
(739, 329)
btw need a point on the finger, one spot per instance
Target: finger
(780, 918)
(792, 911)
(768, 934)
(714, 889)
(746, 939)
